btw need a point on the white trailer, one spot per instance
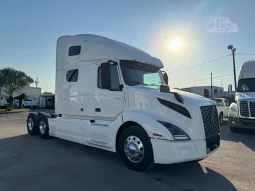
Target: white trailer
(242, 111)
(112, 96)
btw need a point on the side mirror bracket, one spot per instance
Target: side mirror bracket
(165, 77)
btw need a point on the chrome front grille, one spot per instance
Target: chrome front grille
(210, 120)
(247, 108)
(252, 108)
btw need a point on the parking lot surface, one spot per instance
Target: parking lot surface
(28, 163)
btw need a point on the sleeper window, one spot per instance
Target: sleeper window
(74, 50)
(72, 75)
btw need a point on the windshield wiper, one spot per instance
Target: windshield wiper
(138, 83)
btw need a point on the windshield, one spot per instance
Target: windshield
(135, 73)
(246, 85)
(218, 102)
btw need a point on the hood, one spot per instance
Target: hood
(245, 95)
(200, 100)
(187, 96)
(147, 99)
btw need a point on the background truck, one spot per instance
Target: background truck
(112, 96)
(222, 108)
(29, 102)
(242, 112)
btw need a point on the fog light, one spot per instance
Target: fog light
(233, 122)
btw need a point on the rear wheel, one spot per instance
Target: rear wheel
(135, 148)
(44, 126)
(32, 123)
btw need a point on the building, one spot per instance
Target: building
(29, 92)
(205, 90)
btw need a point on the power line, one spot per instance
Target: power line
(201, 63)
(203, 79)
(246, 54)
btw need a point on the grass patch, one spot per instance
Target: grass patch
(14, 110)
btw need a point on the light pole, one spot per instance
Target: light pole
(230, 47)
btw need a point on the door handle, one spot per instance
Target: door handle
(98, 110)
(81, 109)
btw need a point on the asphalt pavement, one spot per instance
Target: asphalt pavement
(28, 163)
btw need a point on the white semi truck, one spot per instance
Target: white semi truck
(242, 111)
(113, 96)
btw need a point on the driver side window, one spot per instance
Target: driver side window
(115, 82)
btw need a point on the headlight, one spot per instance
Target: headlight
(233, 112)
(178, 134)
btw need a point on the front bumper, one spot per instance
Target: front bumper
(241, 122)
(168, 152)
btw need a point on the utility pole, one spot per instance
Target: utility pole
(211, 86)
(36, 82)
(230, 47)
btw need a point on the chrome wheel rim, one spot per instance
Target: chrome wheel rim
(42, 126)
(30, 123)
(134, 149)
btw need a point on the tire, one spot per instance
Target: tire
(137, 138)
(221, 118)
(32, 123)
(233, 129)
(44, 126)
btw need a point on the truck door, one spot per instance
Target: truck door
(108, 102)
(108, 105)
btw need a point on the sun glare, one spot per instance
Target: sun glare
(176, 44)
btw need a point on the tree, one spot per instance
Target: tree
(14, 80)
(1, 83)
(20, 98)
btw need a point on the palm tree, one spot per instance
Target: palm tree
(14, 80)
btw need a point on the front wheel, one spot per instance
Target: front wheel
(135, 148)
(221, 118)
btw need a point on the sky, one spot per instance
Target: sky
(29, 30)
